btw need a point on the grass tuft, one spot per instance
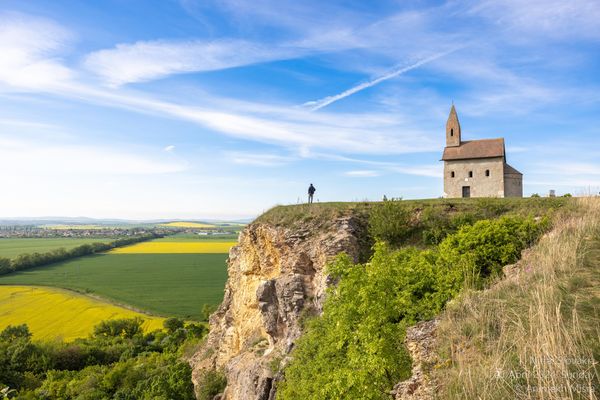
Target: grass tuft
(536, 334)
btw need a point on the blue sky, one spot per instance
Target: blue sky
(224, 108)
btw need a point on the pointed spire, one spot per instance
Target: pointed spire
(453, 128)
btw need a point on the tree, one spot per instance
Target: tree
(172, 324)
(125, 328)
(208, 309)
(12, 333)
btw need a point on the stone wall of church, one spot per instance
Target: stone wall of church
(513, 185)
(480, 185)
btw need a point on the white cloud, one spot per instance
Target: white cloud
(258, 159)
(432, 171)
(278, 125)
(543, 18)
(54, 160)
(318, 104)
(148, 60)
(169, 148)
(362, 173)
(567, 167)
(28, 46)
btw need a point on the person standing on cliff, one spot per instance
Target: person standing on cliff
(311, 192)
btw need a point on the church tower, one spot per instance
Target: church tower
(452, 129)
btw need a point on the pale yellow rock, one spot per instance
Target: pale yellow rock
(276, 275)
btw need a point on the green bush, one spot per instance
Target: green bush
(476, 254)
(355, 349)
(391, 221)
(125, 328)
(210, 384)
(117, 362)
(172, 324)
(208, 309)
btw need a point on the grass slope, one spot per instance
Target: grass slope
(164, 284)
(12, 247)
(536, 334)
(54, 313)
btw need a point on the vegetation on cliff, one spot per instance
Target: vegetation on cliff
(354, 350)
(410, 222)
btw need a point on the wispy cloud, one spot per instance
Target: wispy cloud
(362, 174)
(28, 46)
(47, 159)
(149, 60)
(432, 170)
(547, 18)
(318, 104)
(259, 159)
(169, 148)
(273, 124)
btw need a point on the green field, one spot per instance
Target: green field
(12, 247)
(163, 284)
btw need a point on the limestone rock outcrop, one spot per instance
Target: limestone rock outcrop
(276, 276)
(420, 343)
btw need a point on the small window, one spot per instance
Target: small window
(487, 172)
(452, 174)
(470, 174)
(451, 132)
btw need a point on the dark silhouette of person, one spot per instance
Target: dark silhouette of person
(311, 192)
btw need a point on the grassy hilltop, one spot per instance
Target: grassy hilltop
(424, 258)
(412, 222)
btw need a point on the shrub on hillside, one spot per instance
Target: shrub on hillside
(355, 349)
(210, 384)
(391, 221)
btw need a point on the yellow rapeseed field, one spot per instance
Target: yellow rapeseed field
(175, 247)
(182, 224)
(53, 313)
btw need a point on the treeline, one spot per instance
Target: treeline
(117, 361)
(355, 349)
(31, 260)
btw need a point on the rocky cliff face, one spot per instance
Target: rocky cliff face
(276, 277)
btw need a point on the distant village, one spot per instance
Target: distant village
(75, 231)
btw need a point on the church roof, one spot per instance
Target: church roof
(485, 148)
(510, 170)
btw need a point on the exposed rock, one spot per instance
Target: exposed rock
(275, 276)
(420, 342)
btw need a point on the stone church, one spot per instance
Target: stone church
(477, 168)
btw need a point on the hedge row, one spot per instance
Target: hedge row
(32, 260)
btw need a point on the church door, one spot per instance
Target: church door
(466, 191)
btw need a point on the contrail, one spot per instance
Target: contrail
(318, 104)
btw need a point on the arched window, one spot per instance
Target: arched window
(470, 174)
(487, 172)
(452, 174)
(452, 132)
